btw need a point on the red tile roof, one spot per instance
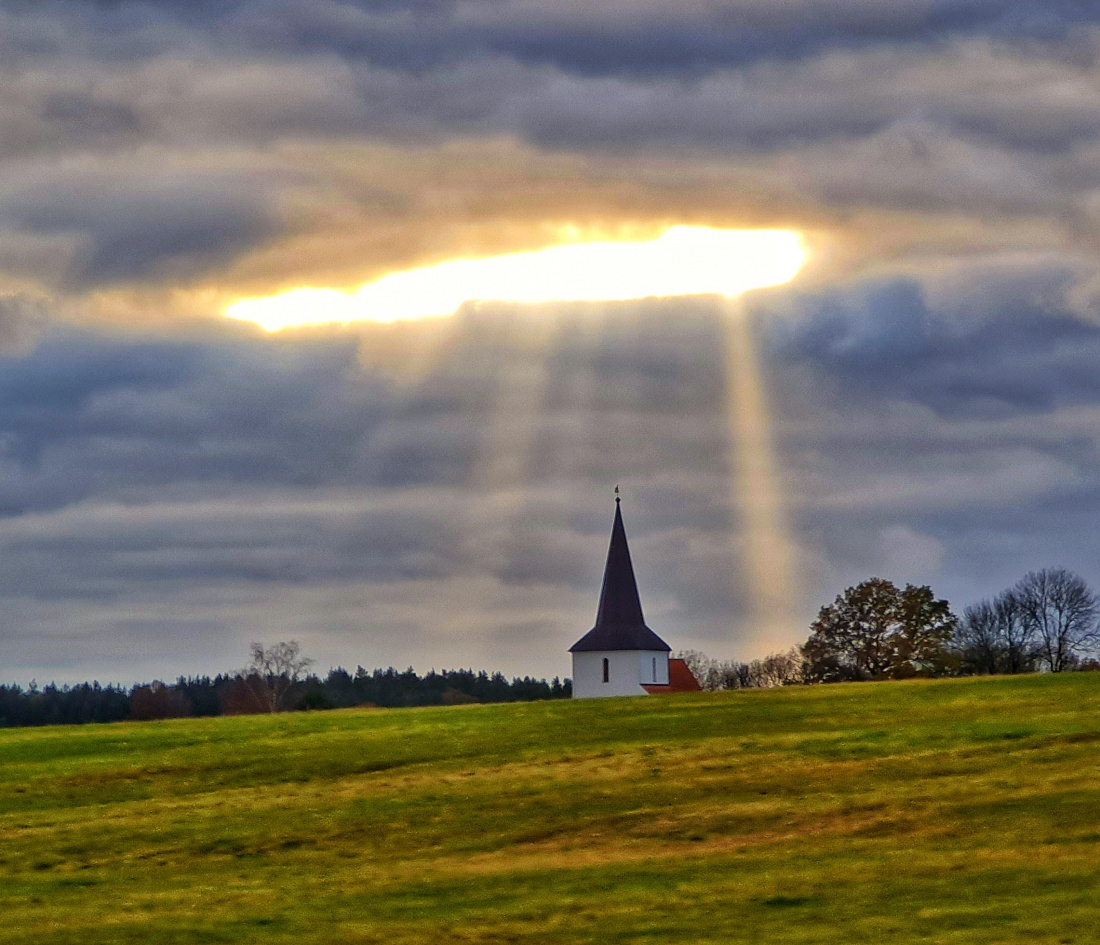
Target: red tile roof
(680, 679)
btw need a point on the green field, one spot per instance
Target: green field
(947, 811)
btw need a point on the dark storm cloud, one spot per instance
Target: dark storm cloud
(943, 443)
(105, 552)
(81, 117)
(125, 229)
(653, 38)
(230, 130)
(118, 419)
(882, 341)
(163, 492)
(240, 479)
(563, 72)
(982, 410)
(21, 320)
(166, 496)
(136, 471)
(626, 36)
(83, 415)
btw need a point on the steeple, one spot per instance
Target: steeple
(619, 600)
(620, 624)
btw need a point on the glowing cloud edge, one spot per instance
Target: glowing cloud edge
(682, 261)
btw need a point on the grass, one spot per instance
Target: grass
(941, 812)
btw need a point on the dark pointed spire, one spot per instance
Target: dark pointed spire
(620, 624)
(619, 600)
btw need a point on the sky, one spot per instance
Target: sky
(175, 484)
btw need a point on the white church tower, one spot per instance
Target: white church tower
(620, 656)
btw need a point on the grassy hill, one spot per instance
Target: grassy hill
(947, 812)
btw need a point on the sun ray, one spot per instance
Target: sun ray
(768, 552)
(684, 261)
(518, 403)
(574, 396)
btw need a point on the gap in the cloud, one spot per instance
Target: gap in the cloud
(682, 261)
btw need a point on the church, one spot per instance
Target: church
(620, 655)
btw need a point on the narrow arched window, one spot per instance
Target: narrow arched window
(606, 669)
(655, 669)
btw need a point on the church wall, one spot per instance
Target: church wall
(628, 669)
(653, 667)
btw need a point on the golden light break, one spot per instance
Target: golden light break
(683, 261)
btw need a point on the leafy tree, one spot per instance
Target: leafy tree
(62, 705)
(875, 631)
(158, 701)
(1060, 610)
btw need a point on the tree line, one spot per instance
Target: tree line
(1049, 621)
(266, 685)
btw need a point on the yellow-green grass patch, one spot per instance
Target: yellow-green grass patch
(947, 811)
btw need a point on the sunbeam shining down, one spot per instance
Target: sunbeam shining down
(684, 260)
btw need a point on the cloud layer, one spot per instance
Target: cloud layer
(210, 489)
(223, 147)
(174, 486)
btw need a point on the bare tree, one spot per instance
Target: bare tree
(776, 669)
(995, 636)
(732, 674)
(978, 639)
(779, 669)
(1017, 634)
(1061, 611)
(273, 671)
